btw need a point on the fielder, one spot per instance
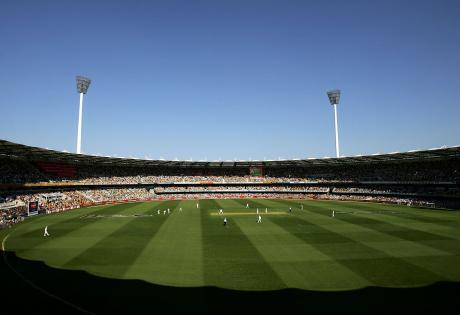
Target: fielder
(247, 205)
(225, 221)
(259, 220)
(46, 231)
(221, 211)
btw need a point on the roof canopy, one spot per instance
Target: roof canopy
(11, 149)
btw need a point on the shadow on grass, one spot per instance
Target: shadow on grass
(111, 296)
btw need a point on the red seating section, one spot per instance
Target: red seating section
(57, 169)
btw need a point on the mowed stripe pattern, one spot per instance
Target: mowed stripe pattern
(363, 244)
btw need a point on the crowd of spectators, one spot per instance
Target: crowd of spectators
(11, 216)
(68, 200)
(206, 195)
(359, 190)
(204, 188)
(14, 171)
(104, 195)
(63, 201)
(163, 179)
(415, 190)
(436, 171)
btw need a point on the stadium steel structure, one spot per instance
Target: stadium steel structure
(15, 150)
(334, 97)
(82, 87)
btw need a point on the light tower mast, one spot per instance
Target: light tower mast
(82, 87)
(334, 97)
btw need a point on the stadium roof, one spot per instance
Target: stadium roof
(11, 149)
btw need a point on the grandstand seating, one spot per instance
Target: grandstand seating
(57, 169)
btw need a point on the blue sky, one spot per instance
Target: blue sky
(230, 79)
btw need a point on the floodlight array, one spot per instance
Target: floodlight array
(83, 84)
(334, 96)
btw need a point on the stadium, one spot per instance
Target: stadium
(341, 230)
(237, 173)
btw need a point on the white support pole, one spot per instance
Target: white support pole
(79, 124)
(336, 132)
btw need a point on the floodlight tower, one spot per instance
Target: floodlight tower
(334, 97)
(82, 87)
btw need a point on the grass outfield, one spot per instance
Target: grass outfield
(363, 245)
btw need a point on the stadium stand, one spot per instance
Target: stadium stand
(57, 169)
(62, 181)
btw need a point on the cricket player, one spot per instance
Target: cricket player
(266, 211)
(225, 221)
(46, 231)
(168, 210)
(259, 219)
(247, 205)
(221, 211)
(159, 211)
(333, 213)
(180, 209)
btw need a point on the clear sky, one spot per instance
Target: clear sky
(231, 79)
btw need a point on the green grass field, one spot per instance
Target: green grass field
(364, 244)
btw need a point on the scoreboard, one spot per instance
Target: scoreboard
(256, 171)
(32, 208)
